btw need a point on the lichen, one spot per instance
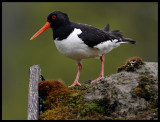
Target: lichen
(131, 64)
(146, 90)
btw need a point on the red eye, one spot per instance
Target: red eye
(54, 16)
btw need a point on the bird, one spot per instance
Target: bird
(81, 41)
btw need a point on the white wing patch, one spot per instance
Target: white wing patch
(107, 46)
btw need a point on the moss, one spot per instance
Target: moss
(53, 91)
(138, 91)
(53, 88)
(131, 64)
(63, 103)
(146, 90)
(146, 79)
(88, 107)
(81, 88)
(56, 113)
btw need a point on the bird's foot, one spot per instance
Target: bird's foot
(97, 79)
(75, 83)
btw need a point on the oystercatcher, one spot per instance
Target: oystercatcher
(81, 41)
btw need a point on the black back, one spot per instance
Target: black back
(90, 35)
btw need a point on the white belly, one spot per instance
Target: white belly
(76, 49)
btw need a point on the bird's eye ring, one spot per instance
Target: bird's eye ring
(54, 16)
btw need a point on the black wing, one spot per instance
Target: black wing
(93, 36)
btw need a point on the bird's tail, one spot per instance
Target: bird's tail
(117, 34)
(128, 40)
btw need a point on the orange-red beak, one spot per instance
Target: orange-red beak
(47, 25)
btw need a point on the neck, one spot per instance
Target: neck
(61, 32)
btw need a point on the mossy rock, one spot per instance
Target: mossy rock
(62, 103)
(132, 91)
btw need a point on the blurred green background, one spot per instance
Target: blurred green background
(20, 20)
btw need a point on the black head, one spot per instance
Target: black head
(54, 20)
(57, 18)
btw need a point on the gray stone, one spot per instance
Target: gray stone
(120, 90)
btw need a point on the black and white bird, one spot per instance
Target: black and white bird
(81, 41)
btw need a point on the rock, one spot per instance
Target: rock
(86, 83)
(130, 94)
(127, 93)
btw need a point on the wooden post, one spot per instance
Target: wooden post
(33, 96)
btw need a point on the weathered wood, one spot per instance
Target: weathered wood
(33, 96)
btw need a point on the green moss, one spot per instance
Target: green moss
(138, 91)
(146, 90)
(88, 107)
(145, 85)
(62, 103)
(146, 79)
(81, 88)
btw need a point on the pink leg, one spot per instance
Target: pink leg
(102, 69)
(77, 77)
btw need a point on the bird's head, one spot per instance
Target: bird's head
(57, 18)
(54, 20)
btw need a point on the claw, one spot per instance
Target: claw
(75, 83)
(96, 79)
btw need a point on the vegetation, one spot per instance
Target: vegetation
(62, 103)
(131, 64)
(146, 90)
